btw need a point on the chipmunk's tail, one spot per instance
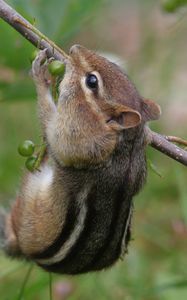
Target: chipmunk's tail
(8, 241)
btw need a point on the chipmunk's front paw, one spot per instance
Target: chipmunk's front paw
(40, 70)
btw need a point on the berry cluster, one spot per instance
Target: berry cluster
(27, 148)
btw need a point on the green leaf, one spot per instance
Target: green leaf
(154, 168)
(171, 6)
(173, 284)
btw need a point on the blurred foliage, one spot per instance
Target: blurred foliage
(59, 20)
(172, 5)
(156, 266)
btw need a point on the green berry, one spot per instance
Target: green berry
(30, 163)
(56, 68)
(33, 55)
(26, 148)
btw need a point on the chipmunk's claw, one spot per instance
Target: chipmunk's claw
(40, 69)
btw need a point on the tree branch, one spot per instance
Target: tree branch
(155, 140)
(161, 143)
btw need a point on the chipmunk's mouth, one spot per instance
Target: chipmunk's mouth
(66, 80)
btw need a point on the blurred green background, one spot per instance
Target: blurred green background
(151, 39)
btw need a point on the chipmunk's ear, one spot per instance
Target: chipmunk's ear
(150, 110)
(129, 118)
(122, 117)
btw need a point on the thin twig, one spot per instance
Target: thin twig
(50, 287)
(41, 156)
(33, 35)
(176, 139)
(161, 143)
(20, 296)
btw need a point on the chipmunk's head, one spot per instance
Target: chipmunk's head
(98, 102)
(104, 83)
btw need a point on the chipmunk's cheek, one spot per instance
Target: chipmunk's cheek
(90, 153)
(80, 150)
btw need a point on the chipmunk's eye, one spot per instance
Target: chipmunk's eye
(91, 81)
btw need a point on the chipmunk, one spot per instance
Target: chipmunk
(74, 214)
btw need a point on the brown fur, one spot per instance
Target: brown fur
(96, 142)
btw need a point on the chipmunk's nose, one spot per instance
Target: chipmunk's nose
(74, 49)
